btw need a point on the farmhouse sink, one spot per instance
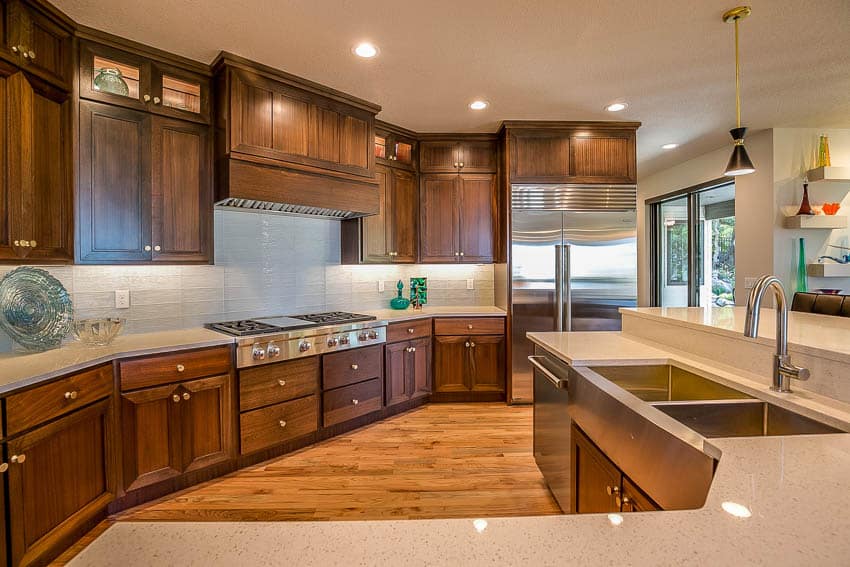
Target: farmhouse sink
(664, 382)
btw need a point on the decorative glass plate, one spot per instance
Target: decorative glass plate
(35, 308)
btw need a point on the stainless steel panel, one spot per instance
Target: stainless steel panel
(574, 197)
(603, 268)
(535, 293)
(552, 426)
(663, 382)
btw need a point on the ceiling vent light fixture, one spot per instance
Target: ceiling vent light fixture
(616, 107)
(739, 162)
(365, 50)
(479, 104)
(669, 146)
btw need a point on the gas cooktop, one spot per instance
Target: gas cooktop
(265, 325)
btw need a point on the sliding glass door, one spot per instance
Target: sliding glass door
(693, 246)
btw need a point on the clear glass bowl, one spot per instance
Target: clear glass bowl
(97, 332)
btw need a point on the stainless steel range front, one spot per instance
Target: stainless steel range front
(273, 339)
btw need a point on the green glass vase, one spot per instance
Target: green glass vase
(802, 277)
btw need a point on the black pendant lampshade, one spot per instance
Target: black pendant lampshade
(739, 162)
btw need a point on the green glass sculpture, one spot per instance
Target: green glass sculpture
(802, 276)
(399, 302)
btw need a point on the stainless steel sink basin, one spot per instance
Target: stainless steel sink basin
(741, 418)
(657, 383)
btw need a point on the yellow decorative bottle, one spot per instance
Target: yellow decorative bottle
(823, 152)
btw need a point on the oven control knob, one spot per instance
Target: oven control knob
(304, 346)
(344, 340)
(373, 334)
(259, 353)
(363, 336)
(333, 341)
(273, 350)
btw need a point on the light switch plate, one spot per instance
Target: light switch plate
(381, 285)
(750, 283)
(470, 283)
(122, 299)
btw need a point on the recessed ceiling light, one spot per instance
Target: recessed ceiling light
(616, 107)
(669, 146)
(479, 104)
(365, 50)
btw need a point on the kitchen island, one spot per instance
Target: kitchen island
(773, 500)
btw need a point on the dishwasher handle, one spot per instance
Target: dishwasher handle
(560, 383)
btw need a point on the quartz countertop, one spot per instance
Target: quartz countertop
(409, 314)
(795, 488)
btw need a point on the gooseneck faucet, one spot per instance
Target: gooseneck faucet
(783, 370)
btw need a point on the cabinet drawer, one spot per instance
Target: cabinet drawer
(41, 404)
(406, 330)
(352, 401)
(274, 383)
(470, 326)
(166, 368)
(276, 424)
(351, 366)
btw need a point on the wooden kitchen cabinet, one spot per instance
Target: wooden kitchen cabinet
(175, 429)
(40, 42)
(635, 500)
(468, 367)
(60, 481)
(408, 371)
(145, 188)
(395, 147)
(458, 218)
(456, 156)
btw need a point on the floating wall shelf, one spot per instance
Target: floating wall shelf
(828, 270)
(829, 174)
(816, 221)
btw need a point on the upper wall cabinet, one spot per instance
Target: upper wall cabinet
(40, 42)
(458, 156)
(395, 147)
(572, 152)
(134, 81)
(267, 114)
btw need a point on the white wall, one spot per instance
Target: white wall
(753, 204)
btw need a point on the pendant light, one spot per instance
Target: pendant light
(739, 162)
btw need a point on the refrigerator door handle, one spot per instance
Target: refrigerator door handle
(559, 287)
(566, 286)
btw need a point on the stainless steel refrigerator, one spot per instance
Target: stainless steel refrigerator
(573, 265)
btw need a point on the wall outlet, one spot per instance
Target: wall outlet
(380, 285)
(750, 283)
(470, 283)
(122, 299)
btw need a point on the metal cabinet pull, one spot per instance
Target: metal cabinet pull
(469, 327)
(18, 459)
(32, 243)
(466, 344)
(560, 383)
(281, 382)
(72, 395)
(612, 490)
(146, 98)
(282, 423)
(15, 49)
(175, 397)
(157, 248)
(147, 248)
(472, 344)
(31, 53)
(461, 164)
(156, 100)
(180, 368)
(4, 467)
(354, 367)
(461, 253)
(186, 395)
(411, 330)
(355, 402)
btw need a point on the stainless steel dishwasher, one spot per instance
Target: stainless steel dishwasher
(552, 424)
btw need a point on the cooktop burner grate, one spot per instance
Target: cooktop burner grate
(333, 317)
(243, 327)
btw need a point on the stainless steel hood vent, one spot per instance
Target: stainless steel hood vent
(574, 197)
(285, 209)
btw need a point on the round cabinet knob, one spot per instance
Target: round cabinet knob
(355, 402)
(612, 490)
(623, 502)
(461, 253)
(273, 350)
(147, 248)
(180, 368)
(411, 330)
(175, 397)
(4, 467)
(457, 253)
(413, 349)
(156, 100)
(305, 346)
(354, 367)
(15, 49)
(31, 53)
(72, 395)
(26, 54)
(281, 382)
(186, 395)
(157, 248)
(469, 327)
(455, 164)
(461, 164)
(16, 243)
(32, 243)
(146, 98)
(258, 352)
(282, 423)
(472, 344)
(466, 344)
(18, 459)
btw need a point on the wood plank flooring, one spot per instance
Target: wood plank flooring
(438, 461)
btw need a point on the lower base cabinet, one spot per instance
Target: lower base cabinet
(469, 364)
(599, 486)
(407, 368)
(60, 480)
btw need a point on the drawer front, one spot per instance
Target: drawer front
(352, 366)
(33, 407)
(274, 383)
(469, 326)
(352, 401)
(266, 427)
(176, 367)
(406, 330)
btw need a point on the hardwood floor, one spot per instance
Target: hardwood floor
(438, 461)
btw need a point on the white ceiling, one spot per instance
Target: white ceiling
(672, 61)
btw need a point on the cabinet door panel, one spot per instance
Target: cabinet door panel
(397, 387)
(181, 195)
(488, 363)
(438, 219)
(354, 142)
(47, 44)
(404, 216)
(436, 157)
(420, 368)
(376, 232)
(291, 125)
(99, 65)
(477, 156)
(478, 209)
(451, 364)
(114, 197)
(64, 481)
(150, 422)
(181, 94)
(253, 117)
(597, 479)
(540, 157)
(205, 422)
(324, 134)
(600, 158)
(7, 212)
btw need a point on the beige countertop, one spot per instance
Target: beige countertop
(795, 488)
(391, 315)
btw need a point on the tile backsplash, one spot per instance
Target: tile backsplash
(264, 265)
